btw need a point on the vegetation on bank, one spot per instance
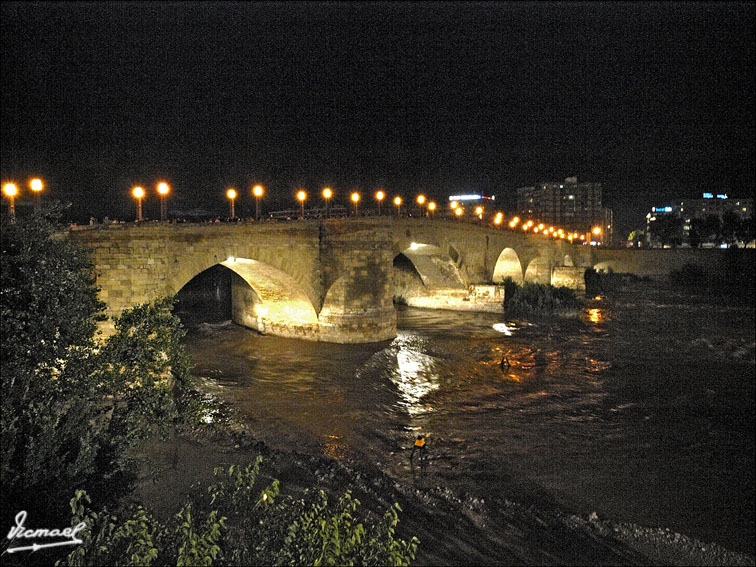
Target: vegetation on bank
(242, 521)
(540, 299)
(74, 404)
(734, 278)
(600, 283)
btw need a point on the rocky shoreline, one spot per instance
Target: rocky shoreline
(453, 528)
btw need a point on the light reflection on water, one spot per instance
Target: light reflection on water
(638, 398)
(595, 315)
(414, 377)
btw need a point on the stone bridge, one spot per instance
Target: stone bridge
(331, 280)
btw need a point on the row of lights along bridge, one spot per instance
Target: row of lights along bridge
(426, 208)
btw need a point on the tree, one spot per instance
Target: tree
(73, 405)
(730, 227)
(49, 308)
(708, 228)
(637, 237)
(667, 229)
(745, 230)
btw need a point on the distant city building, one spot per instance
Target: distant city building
(688, 210)
(717, 205)
(569, 204)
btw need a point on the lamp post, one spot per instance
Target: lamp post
(10, 190)
(231, 194)
(355, 199)
(459, 211)
(257, 191)
(420, 202)
(398, 203)
(163, 188)
(301, 195)
(431, 208)
(138, 194)
(453, 205)
(479, 212)
(379, 196)
(36, 186)
(327, 194)
(596, 231)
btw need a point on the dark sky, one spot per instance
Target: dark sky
(654, 101)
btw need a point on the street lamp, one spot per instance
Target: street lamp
(355, 199)
(379, 196)
(420, 201)
(301, 195)
(459, 211)
(596, 232)
(327, 194)
(37, 186)
(138, 193)
(479, 212)
(163, 188)
(398, 203)
(431, 207)
(10, 190)
(231, 194)
(257, 191)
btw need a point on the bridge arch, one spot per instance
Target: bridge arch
(267, 299)
(508, 265)
(434, 265)
(539, 270)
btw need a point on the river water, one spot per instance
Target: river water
(641, 409)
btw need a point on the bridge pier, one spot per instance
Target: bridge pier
(572, 277)
(356, 269)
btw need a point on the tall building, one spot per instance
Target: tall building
(569, 204)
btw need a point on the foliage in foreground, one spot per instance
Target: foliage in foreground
(72, 406)
(539, 299)
(241, 522)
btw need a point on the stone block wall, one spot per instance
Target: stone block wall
(571, 277)
(358, 305)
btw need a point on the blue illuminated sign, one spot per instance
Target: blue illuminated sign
(722, 196)
(708, 196)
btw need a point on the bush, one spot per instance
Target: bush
(243, 523)
(597, 283)
(539, 299)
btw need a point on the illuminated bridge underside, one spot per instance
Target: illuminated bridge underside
(269, 300)
(335, 280)
(443, 286)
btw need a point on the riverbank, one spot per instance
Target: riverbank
(512, 528)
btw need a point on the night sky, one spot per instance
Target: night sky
(654, 101)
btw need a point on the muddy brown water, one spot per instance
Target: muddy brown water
(641, 409)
